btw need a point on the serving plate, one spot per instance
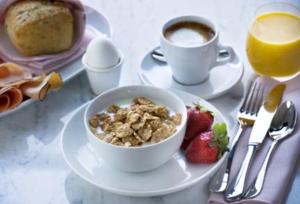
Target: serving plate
(96, 23)
(175, 175)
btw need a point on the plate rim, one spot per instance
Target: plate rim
(67, 78)
(166, 191)
(147, 82)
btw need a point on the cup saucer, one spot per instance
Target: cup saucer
(221, 79)
(173, 176)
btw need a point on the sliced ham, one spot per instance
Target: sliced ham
(16, 82)
(10, 97)
(10, 72)
(38, 87)
(4, 102)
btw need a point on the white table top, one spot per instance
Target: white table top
(32, 169)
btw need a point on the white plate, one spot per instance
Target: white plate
(220, 81)
(173, 176)
(96, 23)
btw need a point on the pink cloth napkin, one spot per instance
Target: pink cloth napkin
(46, 63)
(281, 168)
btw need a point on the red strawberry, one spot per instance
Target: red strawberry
(185, 143)
(208, 147)
(199, 120)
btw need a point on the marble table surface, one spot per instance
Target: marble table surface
(32, 169)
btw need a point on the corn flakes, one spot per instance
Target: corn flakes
(142, 122)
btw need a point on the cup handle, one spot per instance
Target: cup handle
(225, 55)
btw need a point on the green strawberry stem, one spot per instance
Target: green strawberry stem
(220, 138)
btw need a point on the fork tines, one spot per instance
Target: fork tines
(253, 98)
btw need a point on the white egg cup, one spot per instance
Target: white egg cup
(102, 79)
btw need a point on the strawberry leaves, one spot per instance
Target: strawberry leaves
(203, 109)
(220, 138)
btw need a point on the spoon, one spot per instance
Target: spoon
(282, 126)
(158, 55)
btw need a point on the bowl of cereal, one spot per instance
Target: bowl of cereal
(135, 128)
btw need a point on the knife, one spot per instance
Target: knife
(260, 128)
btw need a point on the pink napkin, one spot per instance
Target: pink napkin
(281, 168)
(46, 63)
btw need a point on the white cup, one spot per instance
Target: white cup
(192, 64)
(103, 79)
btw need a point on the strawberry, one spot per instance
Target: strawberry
(185, 143)
(199, 120)
(207, 147)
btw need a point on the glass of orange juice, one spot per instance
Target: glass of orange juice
(273, 42)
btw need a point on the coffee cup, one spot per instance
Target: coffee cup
(191, 47)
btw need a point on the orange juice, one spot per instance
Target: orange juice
(273, 44)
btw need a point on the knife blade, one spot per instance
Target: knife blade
(260, 128)
(265, 114)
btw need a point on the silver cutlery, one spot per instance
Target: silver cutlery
(158, 55)
(282, 126)
(261, 126)
(246, 116)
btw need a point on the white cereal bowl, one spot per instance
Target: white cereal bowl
(142, 158)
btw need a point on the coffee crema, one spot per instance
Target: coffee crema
(189, 33)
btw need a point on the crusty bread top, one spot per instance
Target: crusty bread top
(30, 11)
(37, 27)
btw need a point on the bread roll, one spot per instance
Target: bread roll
(37, 27)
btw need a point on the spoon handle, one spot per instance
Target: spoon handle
(235, 189)
(257, 185)
(220, 181)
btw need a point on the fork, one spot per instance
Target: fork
(246, 117)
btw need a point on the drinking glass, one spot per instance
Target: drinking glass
(273, 42)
